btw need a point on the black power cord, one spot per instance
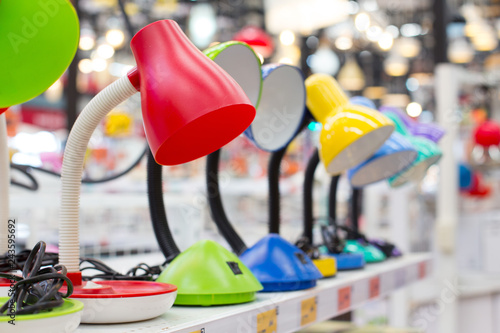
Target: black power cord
(26, 170)
(38, 288)
(27, 173)
(141, 272)
(21, 258)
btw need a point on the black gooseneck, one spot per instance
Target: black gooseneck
(157, 210)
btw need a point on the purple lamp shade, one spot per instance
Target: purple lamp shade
(429, 131)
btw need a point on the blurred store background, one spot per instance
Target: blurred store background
(385, 50)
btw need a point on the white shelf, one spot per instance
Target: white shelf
(375, 281)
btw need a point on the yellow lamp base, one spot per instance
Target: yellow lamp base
(326, 265)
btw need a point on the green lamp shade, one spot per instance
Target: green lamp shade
(369, 252)
(230, 56)
(208, 274)
(38, 40)
(428, 151)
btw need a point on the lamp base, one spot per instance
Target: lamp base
(349, 261)
(4, 289)
(288, 286)
(65, 318)
(327, 265)
(390, 250)
(215, 299)
(208, 274)
(108, 302)
(280, 266)
(369, 252)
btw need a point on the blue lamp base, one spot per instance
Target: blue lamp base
(349, 261)
(280, 265)
(288, 286)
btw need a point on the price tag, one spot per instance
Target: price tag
(374, 287)
(344, 298)
(422, 270)
(267, 322)
(308, 311)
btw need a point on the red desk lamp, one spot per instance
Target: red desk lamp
(191, 107)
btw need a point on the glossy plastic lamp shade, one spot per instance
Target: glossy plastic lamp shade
(240, 61)
(351, 133)
(280, 112)
(428, 154)
(395, 155)
(220, 277)
(486, 138)
(173, 74)
(429, 131)
(211, 281)
(38, 41)
(190, 107)
(487, 134)
(280, 266)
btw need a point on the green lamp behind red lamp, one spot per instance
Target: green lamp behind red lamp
(191, 107)
(206, 273)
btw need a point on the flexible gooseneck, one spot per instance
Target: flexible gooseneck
(273, 178)
(215, 199)
(308, 196)
(72, 169)
(157, 210)
(355, 207)
(217, 208)
(332, 200)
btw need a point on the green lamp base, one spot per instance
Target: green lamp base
(370, 252)
(65, 318)
(214, 299)
(208, 274)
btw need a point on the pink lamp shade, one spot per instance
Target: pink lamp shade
(191, 107)
(257, 38)
(487, 134)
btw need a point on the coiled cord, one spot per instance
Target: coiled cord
(38, 288)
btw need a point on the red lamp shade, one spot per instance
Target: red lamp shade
(257, 38)
(191, 107)
(3, 110)
(478, 187)
(487, 134)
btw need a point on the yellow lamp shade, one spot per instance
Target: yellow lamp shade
(351, 133)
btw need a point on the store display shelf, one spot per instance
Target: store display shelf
(288, 311)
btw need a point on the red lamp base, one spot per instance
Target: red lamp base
(4, 288)
(107, 302)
